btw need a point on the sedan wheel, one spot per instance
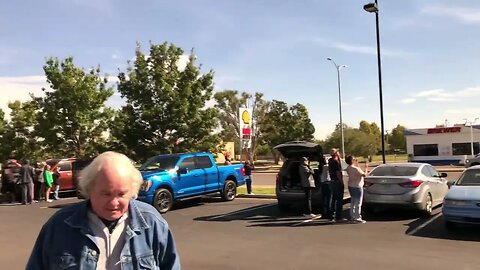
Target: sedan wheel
(163, 200)
(428, 205)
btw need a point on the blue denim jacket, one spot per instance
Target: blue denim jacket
(67, 242)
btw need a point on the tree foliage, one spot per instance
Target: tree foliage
(396, 139)
(72, 116)
(359, 141)
(228, 103)
(165, 106)
(282, 124)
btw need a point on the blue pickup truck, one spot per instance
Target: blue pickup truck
(172, 177)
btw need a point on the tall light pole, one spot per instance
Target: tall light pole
(339, 101)
(373, 8)
(471, 134)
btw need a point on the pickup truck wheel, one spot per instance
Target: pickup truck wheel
(163, 200)
(229, 191)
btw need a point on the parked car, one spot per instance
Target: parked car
(77, 166)
(412, 185)
(472, 161)
(462, 202)
(65, 165)
(172, 177)
(288, 188)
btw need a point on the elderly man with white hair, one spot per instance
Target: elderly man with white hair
(110, 229)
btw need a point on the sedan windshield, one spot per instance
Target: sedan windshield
(159, 163)
(394, 171)
(469, 178)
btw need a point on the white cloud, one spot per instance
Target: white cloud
(473, 111)
(182, 62)
(434, 93)
(352, 102)
(361, 49)
(408, 100)
(442, 95)
(19, 88)
(462, 14)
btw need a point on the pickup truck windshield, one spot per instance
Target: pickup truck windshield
(159, 163)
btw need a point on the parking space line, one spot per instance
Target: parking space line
(307, 221)
(414, 231)
(240, 211)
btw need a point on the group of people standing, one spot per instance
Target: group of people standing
(330, 181)
(31, 183)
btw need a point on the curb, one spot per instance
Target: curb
(259, 196)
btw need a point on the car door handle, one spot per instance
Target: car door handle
(195, 175)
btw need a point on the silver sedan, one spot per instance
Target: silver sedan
(413, 185)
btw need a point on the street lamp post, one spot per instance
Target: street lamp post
(471, 135)
(337, 67)
(373, 8)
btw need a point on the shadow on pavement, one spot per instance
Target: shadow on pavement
(268, 215)
(436, 229)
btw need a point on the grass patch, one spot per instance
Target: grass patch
(257, 190)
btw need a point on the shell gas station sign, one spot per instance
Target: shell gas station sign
(245, 127)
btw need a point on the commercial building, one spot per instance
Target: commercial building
(442, 145)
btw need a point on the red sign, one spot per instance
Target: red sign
(444, 130)
(247, 131)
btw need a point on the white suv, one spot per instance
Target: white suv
(472, 161)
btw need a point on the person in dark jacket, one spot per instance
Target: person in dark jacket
(27, 174)
(248, 176)
(337, 185)
(56, 182)
(306, 179)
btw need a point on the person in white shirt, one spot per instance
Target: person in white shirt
(355, 187)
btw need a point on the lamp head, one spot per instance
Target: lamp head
(370, 7)
(329, 59)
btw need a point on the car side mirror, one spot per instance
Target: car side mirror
(443, 175)
(182, 171)
(450, 183)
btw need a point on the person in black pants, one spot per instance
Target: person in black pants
(325, 184)
(248, 176)
(306, 179)
(337, 186)
(27, 174)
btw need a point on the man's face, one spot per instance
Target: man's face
(110, 194)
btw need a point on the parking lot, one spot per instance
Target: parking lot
(253, 234)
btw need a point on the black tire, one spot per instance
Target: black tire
(427, 205)
(450, 225)
(163, 200)
(229, 192)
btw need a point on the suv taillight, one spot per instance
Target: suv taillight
(242, 170)
(411, 184)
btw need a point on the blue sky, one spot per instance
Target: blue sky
(430, 51)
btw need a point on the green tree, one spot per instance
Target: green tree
(283, 124)
(18, 136)
(396, 139)
(165, 108)
(228, 103)
(358, 141)
(72, 117)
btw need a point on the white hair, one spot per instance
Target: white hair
(88, 175)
